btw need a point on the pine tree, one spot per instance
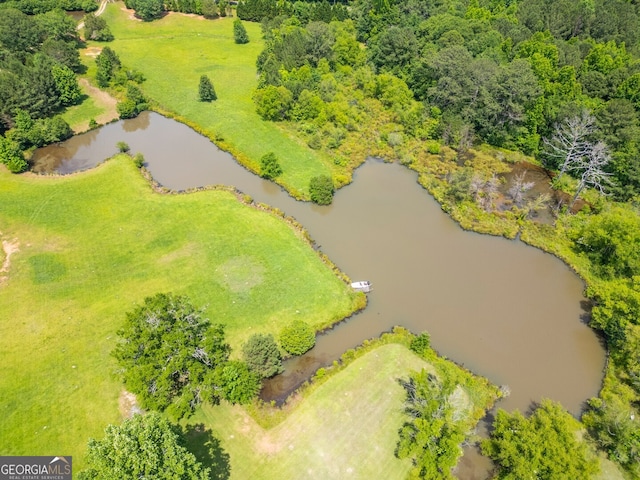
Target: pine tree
(206, 91)
(239, 32)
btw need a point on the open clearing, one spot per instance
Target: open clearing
(175, 51)
(94, 244)
(346, 428)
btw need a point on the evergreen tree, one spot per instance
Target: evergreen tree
(239, 32)
(206, 91)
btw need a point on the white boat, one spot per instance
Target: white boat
(363, 286)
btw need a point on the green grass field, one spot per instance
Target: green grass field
(175, 51)
(91, 246)
(346, 428)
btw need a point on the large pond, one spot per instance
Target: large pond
(503, 309)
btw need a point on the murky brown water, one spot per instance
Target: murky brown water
(504, 310)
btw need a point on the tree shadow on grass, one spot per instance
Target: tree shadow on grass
(208, 451)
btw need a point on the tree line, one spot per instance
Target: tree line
(559, 81)
(39, 60)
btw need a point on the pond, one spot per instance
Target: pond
(503, 309)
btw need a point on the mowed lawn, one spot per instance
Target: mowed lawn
(346, 428)
(90, 247)
(173, 52)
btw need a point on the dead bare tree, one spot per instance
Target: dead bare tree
(484, 191)
(519, 188)
(592, 167)
(570, 141)
(536, 204)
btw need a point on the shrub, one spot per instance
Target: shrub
(123, 147)
(126, 109)
(273, 103)
(315, 142)
(209, 9)
(262, 355)
(421, 344)
(92, 123)
(138, 160)
(269, 166)
(237, 383)
(297, 338)
(321, 190)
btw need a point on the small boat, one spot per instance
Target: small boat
(363, 286)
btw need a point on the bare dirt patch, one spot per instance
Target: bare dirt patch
(241, 274)
(102, 99)
(9, 247)
(128, 404)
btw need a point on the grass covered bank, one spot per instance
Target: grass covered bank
(344, 424)
(175, 51)
(92, 245)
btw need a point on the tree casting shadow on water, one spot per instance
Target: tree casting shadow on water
(208, 451)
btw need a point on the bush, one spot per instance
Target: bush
(321, 190)
(297, 338)
(273, 103)
(127, 109)
(123, 147)
(421, 344)
(209, 9)
(237, 383)
(138, 160)
(269, 166)
(262, 355)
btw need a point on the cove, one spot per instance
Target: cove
(503, 309)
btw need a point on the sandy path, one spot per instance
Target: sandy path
(9, 248)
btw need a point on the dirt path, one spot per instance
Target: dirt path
(9, 248)
(103, 5)
(102, 99)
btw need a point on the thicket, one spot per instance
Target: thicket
(34, 7)
(38, 61)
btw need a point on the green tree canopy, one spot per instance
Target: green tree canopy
(147, 10)
(144, 446)
(431, 437)
(169, 353)
(297, 338)
(269, 166)
(262, 355)
(321, 189)
(543, 446)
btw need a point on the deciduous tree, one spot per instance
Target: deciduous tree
(144, 446)
(544, 446)
(169, 353)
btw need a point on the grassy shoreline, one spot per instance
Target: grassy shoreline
(91, 246)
